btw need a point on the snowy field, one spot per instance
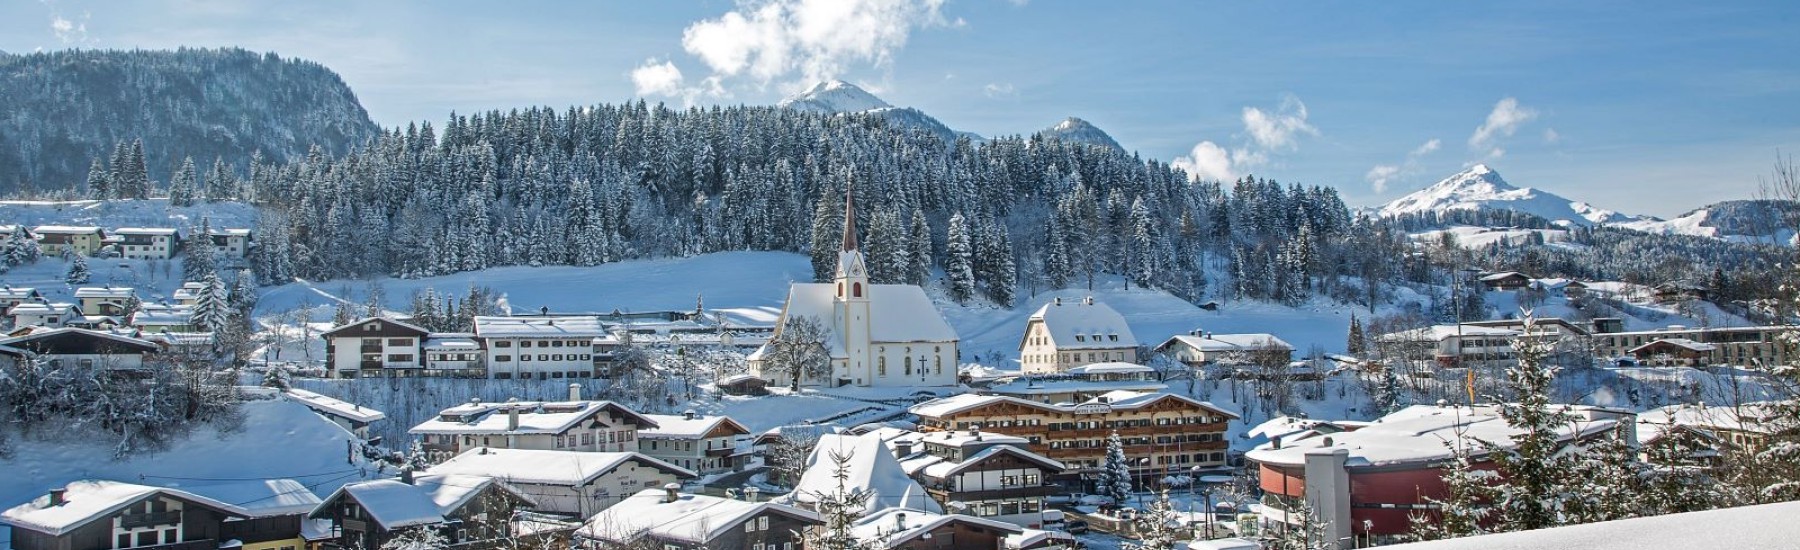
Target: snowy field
(128, 213)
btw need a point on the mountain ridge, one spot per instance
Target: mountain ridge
(1480, 187)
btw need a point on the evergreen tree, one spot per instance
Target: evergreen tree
(212, 308)
(200, 259)
(21, 249)
(1355, 343)
(1115, 473)
(99, 180)
(78, 271)
(1537, 477)
(183, 184)
(243, 297)
(919, 265)
(1159, 527)
(1608, 480)
(136, 183)
(221, 184)
(958, 263)
(827, 233)
(1003, 276)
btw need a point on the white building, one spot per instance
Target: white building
(576, 483)
(1200, 347)
(1065, 334)
(574, 425)
(43, 314)
(189, 293)
(1456, 345)
(145, 243)
(376, 346)
(705, 444)
(540, 347)
(105, 300)
(11, 295)
(230, 243)
(877, 335)
(54, 240)
(155, 318)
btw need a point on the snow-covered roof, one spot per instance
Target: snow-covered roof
(894, 527)
(586, 326)
(902, 313)
(735, 378)
(675, 426)
(871, 468)
(1034, 386)
(65, 229)
(691, 518)
(1084, 324)
(335, 407)
(1224, 343)
(1414, 435)
(104, 292)
(451, 342)
(546, 467)
(1110, 368)
(130, 342)
(40, 308)
(154, 231)
(1032, 538)
(534, 417)
(428, 500)
(229, 232)
(163, 316)
(402, 324)
(17, 292)
(89, 500)
(937, 467)
(1439, 333)
(1749, 417)
(258, 498)
(1117, 399)
(1501, 276)
(1682, 343)
(1762, 526)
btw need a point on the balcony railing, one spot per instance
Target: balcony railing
(721, 452)
(204, 544)
(992, 494)
(133, 521)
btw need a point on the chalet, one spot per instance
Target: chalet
(110, 515)
(1681, 291)
(878, 335)
(871, 469)
(231, 244)
(705, 444)
(578, 484)
(189, 293)
(42, 313)
(104, 323)
(468, 511)
(156, 318)
(145, 243)
(56, 240)
(575, 425)
(1080, 383)
(1166, 431)
(1062, 335)
(1670, 352)
(742, 384)
(105, 300)
(540, 347)
(352, 417)
(1199, 348)
(904, 529)
(84, 348)
(1455, 345)
(11, 296)
(992, 476)
(1505, 280)
(668, 519)
(376, 346)
(1374, 477)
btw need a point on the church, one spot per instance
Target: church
(879, 335)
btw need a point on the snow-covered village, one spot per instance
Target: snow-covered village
(681, 277)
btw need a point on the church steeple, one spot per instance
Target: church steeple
(852, 276)
(849, 218)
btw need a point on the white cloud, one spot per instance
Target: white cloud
(1207, 161)
(1277, 131)
(654, 78)
(999, 90)
(1383, 174)
(809, 40)
(60, 25)
(1550, 136)
(1503, 121)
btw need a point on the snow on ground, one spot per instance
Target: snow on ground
(128, 213)
(280, 439)
(1473, 237)
(154, 279)
(1767, 526)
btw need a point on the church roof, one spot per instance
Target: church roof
(901, 313)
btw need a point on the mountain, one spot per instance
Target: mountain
(1075, 130)
(64, 108)
(1753, 221)
(1481, 188)
(839, 97)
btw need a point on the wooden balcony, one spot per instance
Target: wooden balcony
(133, 521)
(720, 453)
(1214, 427)
(203, 544)
(946, 495)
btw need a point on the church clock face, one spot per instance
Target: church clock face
(856, 270)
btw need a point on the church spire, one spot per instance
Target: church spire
(849, 217)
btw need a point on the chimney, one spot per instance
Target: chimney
(512, 418)
(574, 392)
(902, 449)
(750, 493)
(1088, 301)
(976, 431)
(899, 522)
(671, 492)
(59, 496)
(1057, 301)
(688, 414)
(406, 475)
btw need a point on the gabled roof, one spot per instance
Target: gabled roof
(155, 231)
(65, 229)
(404, 326)
(428, 500)
(1083, 324)
(40, 308)
(1117, 399)
(871, 468)
(903, 313)
(1682, 343)
(584, 326)
(334, 407)
(1224, 343)
(104, 292)
(1501, 276)
(68, 340)
(258, 498)
(895, 527)
(17, 292)
(87, 501)
(688, 518)
(534, 417)
(937, 467)
(544, 467)
(674, 426)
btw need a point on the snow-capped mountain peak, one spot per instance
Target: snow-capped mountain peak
(1480, 187)
(834, 96)
(1076, 130)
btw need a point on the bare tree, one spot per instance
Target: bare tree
(798, 351)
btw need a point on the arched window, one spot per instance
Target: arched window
(909, 366)
(840, 290)
(881, 366)
(940, 365)
(856, 289)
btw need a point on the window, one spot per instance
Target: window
(169, 536)
(909, 366)
(124, 541)
(881, 366)
(556, 343)
(762, 523)
(543, 357)
(146, 538)
(503, 344)
(502, 358)
(400, 358)
(399, 341)
(524, 343)
(856, 289)
(750, 526)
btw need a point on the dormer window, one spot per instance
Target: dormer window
(1080, 338)
(1113, 337)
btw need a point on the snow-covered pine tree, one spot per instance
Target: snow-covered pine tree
(78, 271)
(1159, 527)
(839, 509)
(1057, 270)
(199, 258)
(1003, 282)
(99, 180)
(958, 263)
(221, 184)
(243, 297)
(1355, 344)
(1536, 477)
(1144, 254)
(827, 232)
(184, 184)
(212, 308)
(919, 265)
(1115, 472)
(1470, 494)
(1607, 481)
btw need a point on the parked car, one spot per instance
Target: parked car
(1076, 527)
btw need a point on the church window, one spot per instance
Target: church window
(881, 366)
(856, 289)
(909, 366)
(840, 290)
(940, 365)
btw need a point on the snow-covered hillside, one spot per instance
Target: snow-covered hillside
(839, 97)
(1076, 130)
(114, 214)
(1756, 221)
(1481, 188)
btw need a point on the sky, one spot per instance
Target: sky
(1641, 107)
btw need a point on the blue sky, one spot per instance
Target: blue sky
(1643, 107)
